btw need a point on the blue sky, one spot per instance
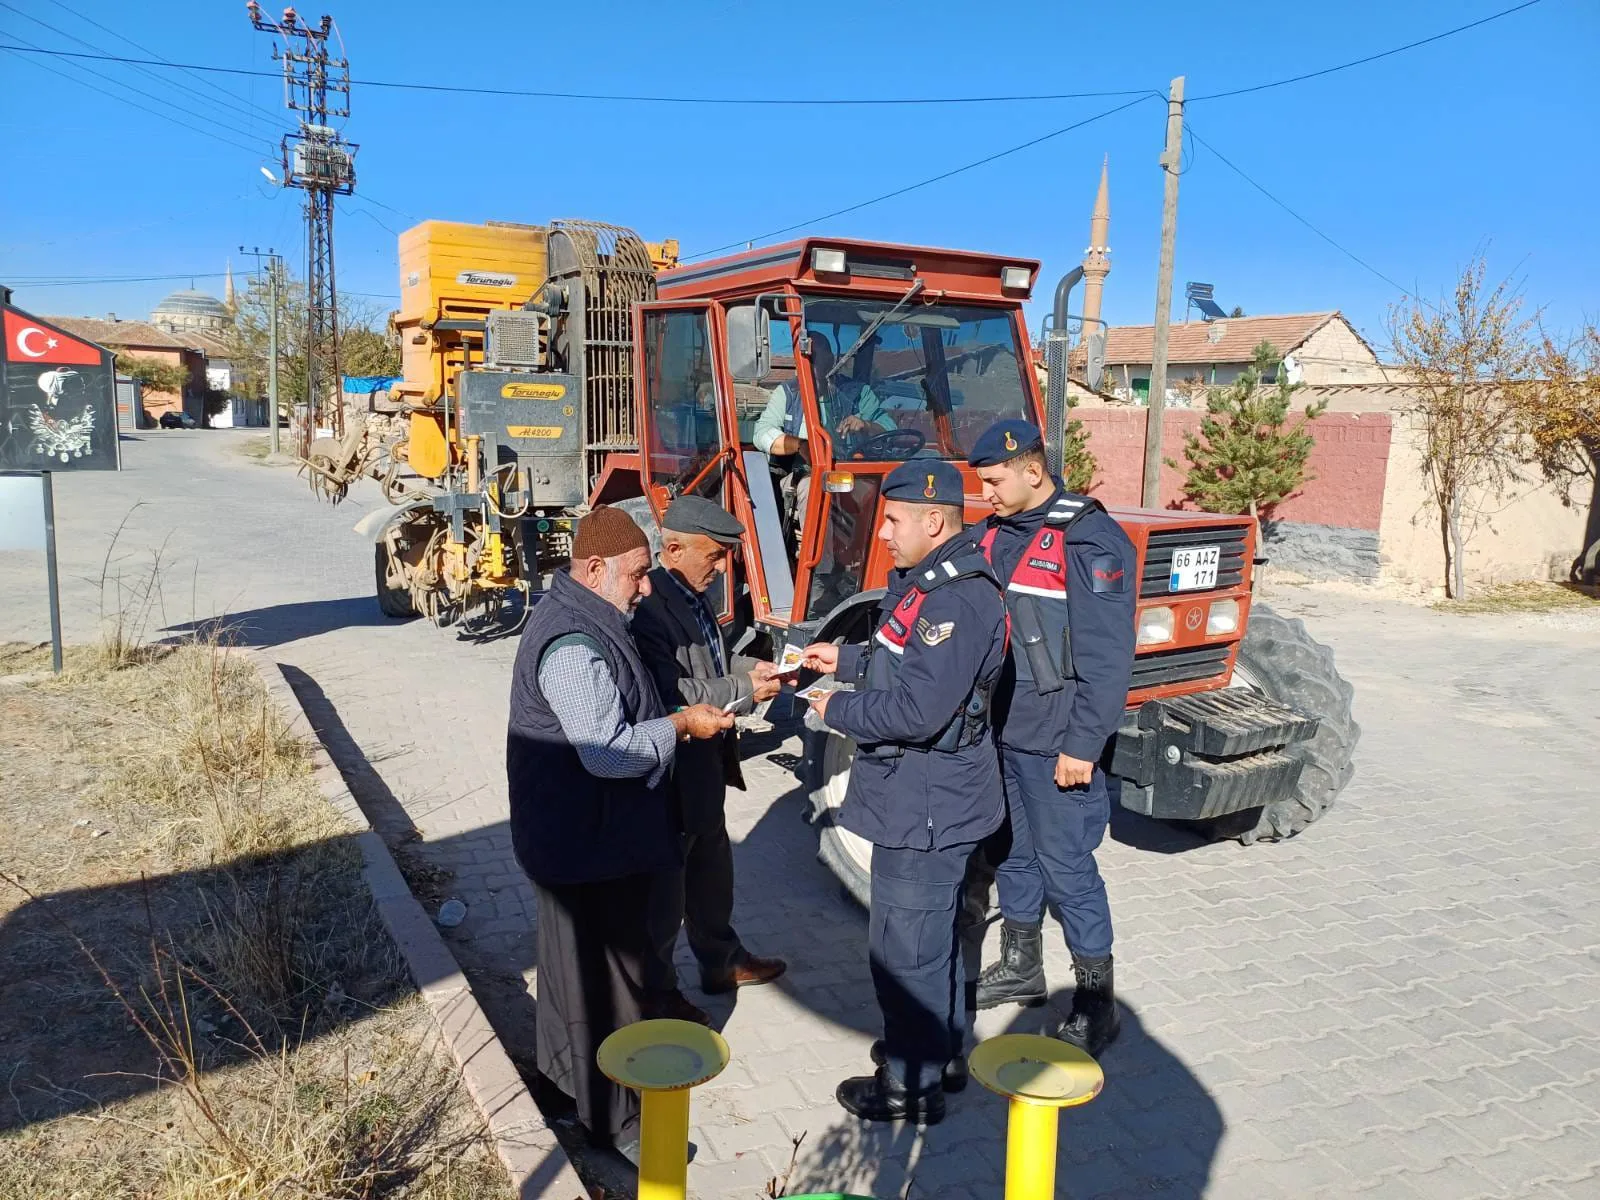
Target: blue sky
(1411, 162)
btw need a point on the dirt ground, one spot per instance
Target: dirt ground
(198, 1000)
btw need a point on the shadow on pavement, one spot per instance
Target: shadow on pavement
(280, 624)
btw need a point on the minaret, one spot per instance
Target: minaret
(1097, 258)
(227, 285)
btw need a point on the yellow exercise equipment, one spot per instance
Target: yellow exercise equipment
(662, 1060)
(1038, 1075)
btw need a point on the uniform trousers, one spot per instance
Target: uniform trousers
(698, 897)
(1054, 834)
(916, 968)
(594, 945)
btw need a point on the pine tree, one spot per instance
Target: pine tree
(1077, 460)
(1247, 456)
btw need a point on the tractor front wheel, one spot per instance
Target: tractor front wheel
(1281, 660)
(392, 601)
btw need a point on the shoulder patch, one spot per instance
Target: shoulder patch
(1108, 574)
(934, 632)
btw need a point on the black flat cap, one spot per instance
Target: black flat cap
(696, 514)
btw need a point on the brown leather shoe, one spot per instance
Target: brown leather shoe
(675, 1006)
(747, 972)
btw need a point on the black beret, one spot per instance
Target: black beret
(696, 514)
(1003, 441)
(925, 481)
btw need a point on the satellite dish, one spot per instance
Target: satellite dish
(1094, 367)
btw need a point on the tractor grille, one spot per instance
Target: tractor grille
(1179, 666)
(1158, 556)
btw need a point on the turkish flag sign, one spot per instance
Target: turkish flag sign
(29, 340)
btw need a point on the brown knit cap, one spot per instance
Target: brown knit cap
(607, 532)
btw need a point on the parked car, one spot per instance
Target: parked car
(177, 420)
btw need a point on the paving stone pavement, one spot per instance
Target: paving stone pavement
(1401, 1003)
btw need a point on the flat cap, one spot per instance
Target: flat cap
(606, 532)
(696, 514)
(1003, 441)
(925, 481)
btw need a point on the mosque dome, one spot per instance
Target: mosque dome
(190, 309)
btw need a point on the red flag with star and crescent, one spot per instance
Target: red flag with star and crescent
(29, 340)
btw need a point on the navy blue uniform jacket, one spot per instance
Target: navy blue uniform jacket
(925, 799)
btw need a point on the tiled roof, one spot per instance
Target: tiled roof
(133, 334)
(1228, 340)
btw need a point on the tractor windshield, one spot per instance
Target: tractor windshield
(926, 381)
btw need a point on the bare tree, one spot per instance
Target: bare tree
(1467, 363)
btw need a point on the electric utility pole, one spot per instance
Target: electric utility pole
(1171, 161)
(318, 160)
(274, 268)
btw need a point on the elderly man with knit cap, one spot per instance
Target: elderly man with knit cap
(589, 755)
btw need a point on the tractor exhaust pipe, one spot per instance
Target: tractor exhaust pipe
(1055, 362)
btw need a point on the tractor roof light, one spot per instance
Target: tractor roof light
(1015, 279)
(828, 262)
(1155, 626)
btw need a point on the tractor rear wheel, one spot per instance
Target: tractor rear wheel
(1280, 659)
(849, 857)
(392, 601)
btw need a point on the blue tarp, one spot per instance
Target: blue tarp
(366, 385)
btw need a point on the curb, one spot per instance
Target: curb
(526, 1146)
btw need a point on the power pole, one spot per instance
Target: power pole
(274, 266)
(318, 160)
(1171, 160)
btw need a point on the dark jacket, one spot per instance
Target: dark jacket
(568, 826)
(1101, 589)
(680, 661)
(925, 798)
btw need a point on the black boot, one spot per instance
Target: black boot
(881, 1097)
(953, 1077)
(1093, 1023)
(1019, 975)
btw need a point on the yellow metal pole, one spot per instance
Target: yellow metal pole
(1030, 1151)
(664, 1144)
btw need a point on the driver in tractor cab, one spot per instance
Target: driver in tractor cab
(849, 408)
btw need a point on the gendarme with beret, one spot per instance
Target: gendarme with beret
(925, 481)
(696, 514)
(1003, 441)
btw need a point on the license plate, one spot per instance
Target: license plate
(1194, 567)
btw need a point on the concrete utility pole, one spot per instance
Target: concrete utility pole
(1171, 160)
(274, 262)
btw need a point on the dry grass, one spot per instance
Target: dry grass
(256, 447)
(1525, 597)
(199, 1002)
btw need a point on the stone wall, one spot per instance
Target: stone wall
(1335, 354)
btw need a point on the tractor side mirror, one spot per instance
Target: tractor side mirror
(749, 342)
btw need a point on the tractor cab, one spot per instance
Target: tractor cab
(785, 383)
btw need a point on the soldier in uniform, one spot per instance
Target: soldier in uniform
(1068, 570)
(925, 785)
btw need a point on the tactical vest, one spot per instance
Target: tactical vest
(969, 725)
(1036, 595)
(846, 394)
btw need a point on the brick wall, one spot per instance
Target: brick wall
(1350, 462)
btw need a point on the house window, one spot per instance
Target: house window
(1141, 390)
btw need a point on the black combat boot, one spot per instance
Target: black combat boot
(882, 1097)
(953, 1077)
(1093, 1023)
(1018, 977)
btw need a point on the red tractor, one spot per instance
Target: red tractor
(1236, 718)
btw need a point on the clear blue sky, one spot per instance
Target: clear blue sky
(1411, 162)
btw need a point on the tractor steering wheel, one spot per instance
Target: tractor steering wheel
(889, 446)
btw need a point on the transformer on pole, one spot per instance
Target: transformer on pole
(317, 159)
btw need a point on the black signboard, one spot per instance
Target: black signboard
(58, 399)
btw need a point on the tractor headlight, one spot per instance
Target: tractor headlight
(1014, 279)
(827, 262)
(1155, 626)
(1223, 618)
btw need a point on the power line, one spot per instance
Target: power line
(463, 90)
(943, 175)
(82, 280)
(1344, 250)
(1371, 58)
(244, 106)
(81, 82)
(121, 83)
